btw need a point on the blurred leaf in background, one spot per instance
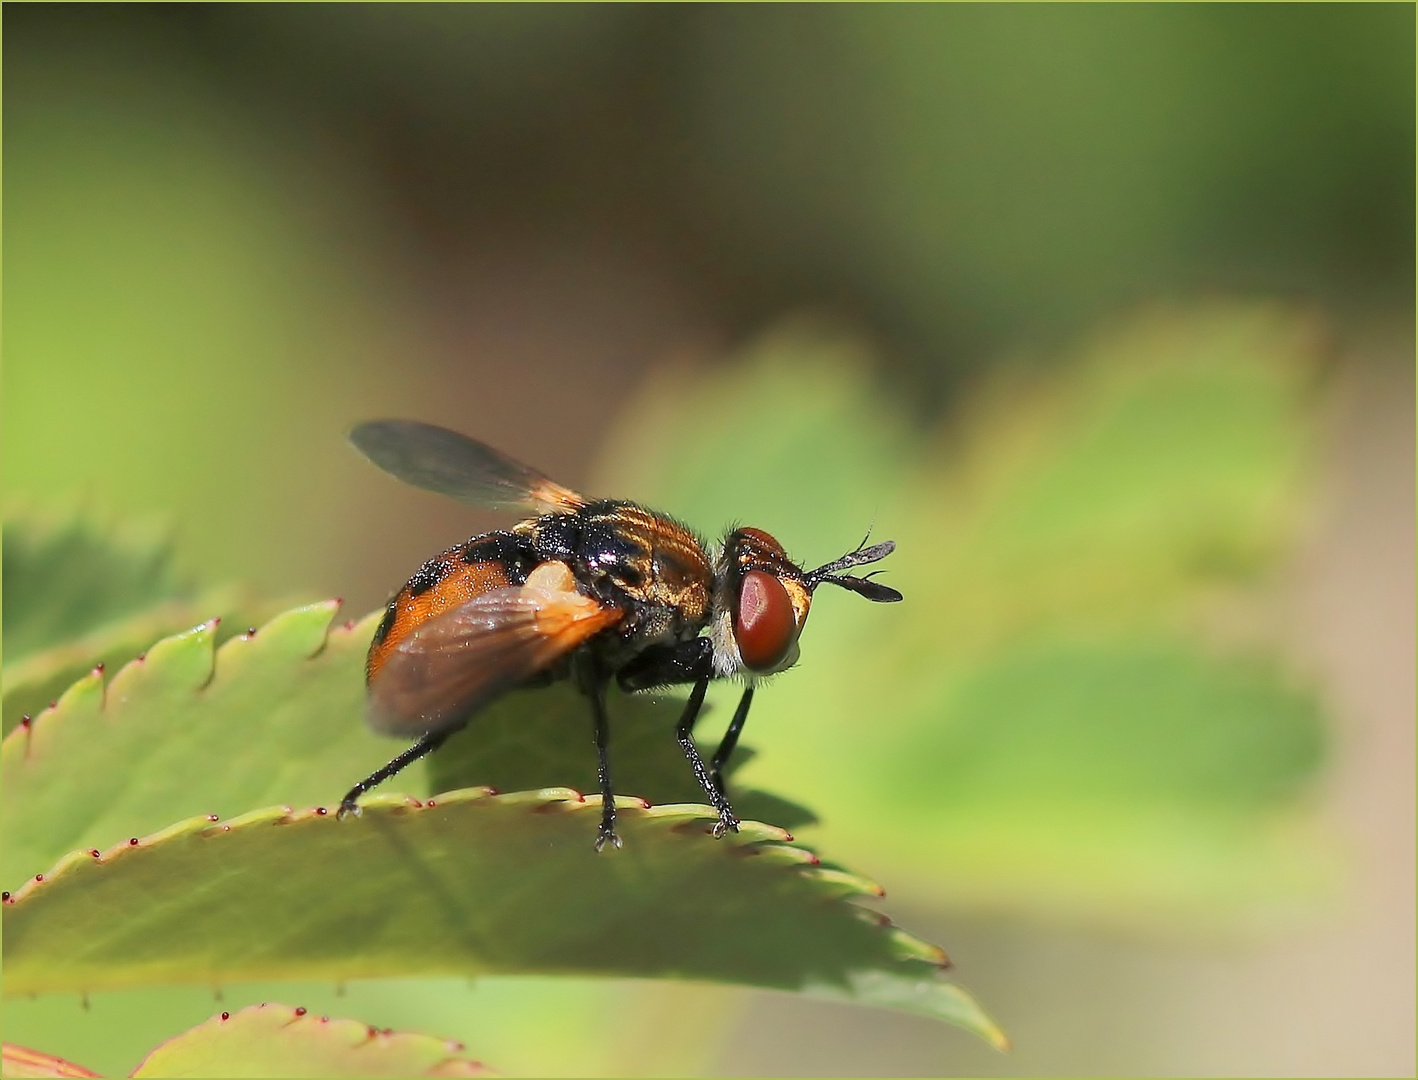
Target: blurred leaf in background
(1049, 724)
(183, 322)
(80, 593)
(973, 176)
(964, 178)
(68, 576)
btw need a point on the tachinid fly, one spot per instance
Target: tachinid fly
(590, 590)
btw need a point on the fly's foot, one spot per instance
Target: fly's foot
(606, 835)
(348, 808)
(726, 823)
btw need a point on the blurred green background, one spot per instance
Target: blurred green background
(1104, 313)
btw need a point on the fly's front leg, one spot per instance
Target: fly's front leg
(730, 740)
(727, 821)
(688, 662)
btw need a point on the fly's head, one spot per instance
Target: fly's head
(762, 599)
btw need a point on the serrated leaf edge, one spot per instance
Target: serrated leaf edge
(753, 837)
(59, 710)
(299, 1015)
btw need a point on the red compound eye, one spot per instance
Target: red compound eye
(764, 625)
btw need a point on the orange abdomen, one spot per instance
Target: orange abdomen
(440, 585)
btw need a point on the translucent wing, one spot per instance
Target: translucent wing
(452, 665)
(436, 459)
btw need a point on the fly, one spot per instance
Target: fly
(584, 589)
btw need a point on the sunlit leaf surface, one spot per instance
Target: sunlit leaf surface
(472, 884)
(276, 717)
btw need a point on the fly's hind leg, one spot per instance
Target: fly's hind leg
(426, 745)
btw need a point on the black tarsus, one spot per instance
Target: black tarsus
(426, 745)
(727, 821)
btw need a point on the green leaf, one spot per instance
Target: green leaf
(81, 594)
(1058, 719)
(468, 883)
(36, 681)
(276, 717)
(278, 1040)
(67, 577)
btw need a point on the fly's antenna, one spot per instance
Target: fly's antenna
(860, 556)
(830, 573)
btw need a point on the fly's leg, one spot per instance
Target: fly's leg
(606, 834)
(727, 822)
(426, 745)
(730, 740)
